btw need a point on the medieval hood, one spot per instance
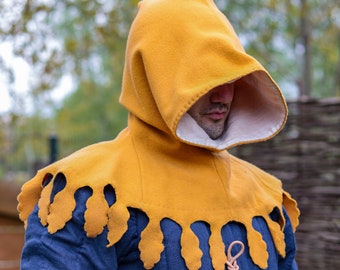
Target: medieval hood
(163, 163)
(179, 50)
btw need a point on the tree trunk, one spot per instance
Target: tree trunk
(337, 72)
(305, 34)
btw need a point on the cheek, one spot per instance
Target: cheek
(230, 95)
(193, 112)
(199, 106)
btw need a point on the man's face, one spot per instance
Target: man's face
(211, 110)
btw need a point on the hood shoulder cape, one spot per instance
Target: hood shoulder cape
(233, 191)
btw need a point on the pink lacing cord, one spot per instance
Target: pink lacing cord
(231, 262)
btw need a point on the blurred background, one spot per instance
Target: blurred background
(61, 66)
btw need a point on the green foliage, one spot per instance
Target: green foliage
(94, 36)
(23, 141)
(91, 114)
(271, 32)
(84, 39)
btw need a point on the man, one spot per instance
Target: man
(211, 110)
(165, 194)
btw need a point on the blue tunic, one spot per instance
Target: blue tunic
(70, 248)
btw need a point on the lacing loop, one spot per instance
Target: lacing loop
(231, 262)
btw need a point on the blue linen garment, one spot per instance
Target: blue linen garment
(71, 249)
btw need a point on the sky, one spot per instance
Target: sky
(22, 74)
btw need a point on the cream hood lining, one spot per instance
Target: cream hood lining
(258, 112)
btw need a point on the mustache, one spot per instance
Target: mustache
(216, 107)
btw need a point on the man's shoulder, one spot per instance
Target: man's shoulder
(248, 169)
(90, 160)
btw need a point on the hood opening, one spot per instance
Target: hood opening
(258, 112)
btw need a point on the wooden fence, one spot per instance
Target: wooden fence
(306, 157)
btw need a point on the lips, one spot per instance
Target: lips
(216, 115)
(216, 111)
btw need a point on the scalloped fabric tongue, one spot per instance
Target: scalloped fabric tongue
(184, 205)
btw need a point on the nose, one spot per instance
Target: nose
(222, 94)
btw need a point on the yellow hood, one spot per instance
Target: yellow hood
(177, 50)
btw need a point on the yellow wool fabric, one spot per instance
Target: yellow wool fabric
(182, 182)
(149, 166)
